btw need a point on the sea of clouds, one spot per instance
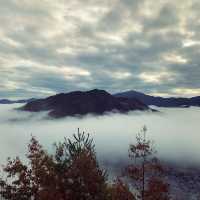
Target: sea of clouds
(175, 131)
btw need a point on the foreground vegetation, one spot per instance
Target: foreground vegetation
(72, 172)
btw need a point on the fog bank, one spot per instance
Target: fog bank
(176, 132)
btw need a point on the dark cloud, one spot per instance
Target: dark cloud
(48, 47)
(166, 18)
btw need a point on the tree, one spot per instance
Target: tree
(157, 189)
(71, 173)
(146, 171)
(87, 180)
(121, 191)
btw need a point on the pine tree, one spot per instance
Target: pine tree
(146, 171)
(71, 173)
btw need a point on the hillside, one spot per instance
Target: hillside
(160, 101)
(7, 101)
(82, 103)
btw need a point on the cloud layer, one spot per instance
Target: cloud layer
(50, 46)
(179, 142)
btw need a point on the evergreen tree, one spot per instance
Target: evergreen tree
(72, 173)
(146, 171)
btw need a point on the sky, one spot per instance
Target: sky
(49, 46)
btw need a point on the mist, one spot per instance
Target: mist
(175, 131)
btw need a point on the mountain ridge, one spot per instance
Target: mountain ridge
(82, 103)
(7, 101)
(160, 101)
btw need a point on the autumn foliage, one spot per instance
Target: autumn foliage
(121, 191)
(146, 172)
(72, 172)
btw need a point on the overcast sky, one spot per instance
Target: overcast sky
(52, 46)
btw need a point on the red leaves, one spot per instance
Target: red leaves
(72, 173)
(157, 189)
(145, 170)
(134, 172)
(120, 191)
(87, 179)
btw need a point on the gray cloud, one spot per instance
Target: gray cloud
(48, 47)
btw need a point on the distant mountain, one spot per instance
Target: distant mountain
(161, 101)
(81, 103)
(7, 101)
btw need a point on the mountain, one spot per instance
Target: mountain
(7, 101)
(81, 103)
(160, 101)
